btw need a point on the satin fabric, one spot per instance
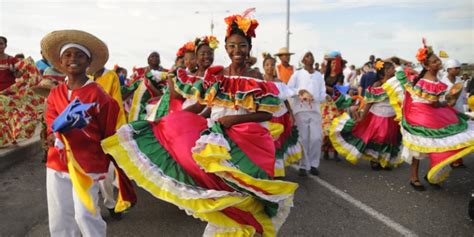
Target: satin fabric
(178, 133)
(256, 142)
(426, 115)
(287, 124)
(380, 130)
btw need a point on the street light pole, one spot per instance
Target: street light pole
(212, 18)
(212, 23)
(288, 24)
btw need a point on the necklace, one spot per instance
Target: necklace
(244, 69)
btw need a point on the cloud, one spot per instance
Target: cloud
(456, 14)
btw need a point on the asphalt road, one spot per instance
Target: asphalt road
(345, 200)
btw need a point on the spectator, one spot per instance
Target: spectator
(7, 66)
(367, 79)
(122, 73)
(42, 64)
(284, 69)
(316, 67)
(352, 79)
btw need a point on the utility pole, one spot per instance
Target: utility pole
(288, 24)
(212, 17)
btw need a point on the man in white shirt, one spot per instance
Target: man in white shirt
(452, 79)
(311, 89)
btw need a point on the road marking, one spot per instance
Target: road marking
(370, 211)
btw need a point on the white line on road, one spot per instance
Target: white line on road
(372, 212)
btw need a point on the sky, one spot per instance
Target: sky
(356, 28)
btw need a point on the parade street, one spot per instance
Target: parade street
(345, 200)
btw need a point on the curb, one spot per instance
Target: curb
(23, 152)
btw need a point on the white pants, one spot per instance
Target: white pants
(310, 135)
(67, 216)
(107, 187)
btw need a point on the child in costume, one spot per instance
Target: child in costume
(287, 147)
(76, 163)
(375, 134)
(214, 169)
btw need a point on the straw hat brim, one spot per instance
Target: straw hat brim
(279, 54)
(52, 43)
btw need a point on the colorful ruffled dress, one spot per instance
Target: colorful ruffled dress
(287, 148)
(377, 137)
(143, 96)
(329, 112)
(221, 176)
(168, 104)
(440, 133)
(20, 108)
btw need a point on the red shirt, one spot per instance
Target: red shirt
(85, 143)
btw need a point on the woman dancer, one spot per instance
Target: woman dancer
(374, 135)
(20, 108)
(430, 128)
(213, 168)
(332, 76)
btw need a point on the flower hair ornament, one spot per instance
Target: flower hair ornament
(210, 40)
(379, 65)
(424, 52)
(243, 22)
(188, 47)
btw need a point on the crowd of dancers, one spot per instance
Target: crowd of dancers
(214, 140)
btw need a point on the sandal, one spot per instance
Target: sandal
(435, 186)
(417, 185)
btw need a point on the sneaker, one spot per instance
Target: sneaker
(314, 171)
(326, 156)
(336, 157)
(115, 215)
(302, 173)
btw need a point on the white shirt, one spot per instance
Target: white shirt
(314, 84)
(347, 75)
(459, 106)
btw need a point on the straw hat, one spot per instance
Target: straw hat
(52, 43)
(44, 87)
(283, 51)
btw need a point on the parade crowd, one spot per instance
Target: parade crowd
(215, 140)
